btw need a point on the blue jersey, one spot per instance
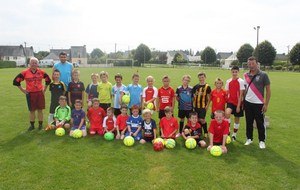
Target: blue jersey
(116, 92)
(65, 70)
(135, 92)
(77, 115)
(135, 123)
(91, 90)
(185, 98)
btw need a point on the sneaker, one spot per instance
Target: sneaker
(205, 135)
(262, 145)
(40, 127)
(249, 141)
(233, 138)
(30, 128)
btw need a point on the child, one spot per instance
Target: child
(117, 89)
(168, 124)
(121, 122)
(135, 91)
(109, 122)
(78, 118)
(91, 89)
(62, 114)
(201, 93)
(218, 97)
(235, 90)
(148, 127)
(193, 130)
(166, 97)
(134, 124)
(149, 93)
(184, 96)
(104, 89)
(57, 89)
(75, 89)
(218, 131)
(95, 115)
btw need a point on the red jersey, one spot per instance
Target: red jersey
(218, 130)
(33, 79)
(218, 100)
(96, 117)
(121, 122)
(233, 87)
(166, 96)
(109, 123)
(149, 93)
(168, 126)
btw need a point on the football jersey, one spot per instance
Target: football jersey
(166, 96)
(76, 89)
(116, 92)
(200, 95)
(122, 122)
(77, 115)
(96, 117)
(91, 90)
(185, 98)
(104, 90)
(233, 87)
(168, 126)
(218, 100)
(218, 130)
(149, 128)
(134, 122)
(135, 92)
(194, 130)
(62, 113)
(109, 123)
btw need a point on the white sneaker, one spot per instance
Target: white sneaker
(249, 141)
(233, 137)
(262, 145)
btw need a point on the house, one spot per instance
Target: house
(223, 55)
(76, 54)
(229, 60)
(281, 57)
(171, 55)
(49, 60)
(16, 53)
(194, 58)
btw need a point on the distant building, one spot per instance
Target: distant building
(16, 53)
(49, 60)
(75, 55)
(229, 60)
(223, 55)
(171, 55)
(281, 57)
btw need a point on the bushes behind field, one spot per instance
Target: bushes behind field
(8, 64)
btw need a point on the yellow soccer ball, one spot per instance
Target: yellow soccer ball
(216, 151)
(128, 141)
(190, 143)
(170, 143)
(150, 106)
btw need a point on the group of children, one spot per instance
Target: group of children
(193, 103)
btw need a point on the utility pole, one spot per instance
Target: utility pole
(257, 34)
(115, 50)
(288, 55)
(26, 64)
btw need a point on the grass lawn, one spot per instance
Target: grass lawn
(41, 160)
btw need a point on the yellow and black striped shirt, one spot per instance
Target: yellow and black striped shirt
(200, 95)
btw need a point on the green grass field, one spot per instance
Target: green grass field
(41, 160)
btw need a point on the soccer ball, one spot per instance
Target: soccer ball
(216, 151)
(150, 106)
(228, 140)
(126, 99)
(77, 133)
(109, 136)
(159, 140)
(170, 143)
(190, 143)
(128, 141)
(60, 132)
(158, 146)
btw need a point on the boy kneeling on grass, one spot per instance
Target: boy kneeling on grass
(218, 131)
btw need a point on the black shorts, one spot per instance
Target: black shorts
(217, 143)
(148, 139)
(117, 112)
(104, 106)
(161, 114)
(201, 112)
(233, 108)
(184, 113)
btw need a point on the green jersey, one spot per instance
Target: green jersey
(62, 113)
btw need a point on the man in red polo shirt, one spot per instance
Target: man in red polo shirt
(34, 90)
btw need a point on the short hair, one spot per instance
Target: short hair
(135, 75)
(252, 58)
(76, 71)
(124, 106)
(145, 111)
(34, 59)
(95, 100)
(62, 53)
(77, 101)
(193, 114)
(56, 71)
(235, 67)
(134, 107)
(201, 74)
(62, 98)
(219, 112)
(186, 76)
(218, 80)
(167, 109)
(166, 77)
(95, 74)
(149, 77)
(103, 73)
(118, 75)
(111, 109)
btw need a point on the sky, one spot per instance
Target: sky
(160, 24)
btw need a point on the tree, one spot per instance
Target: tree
(198, 53)
(178, 58)
(209, 55)
(41, 54)
(265, 53)
(244, 53)
(294, 54)
(142, 54)
(97, 53)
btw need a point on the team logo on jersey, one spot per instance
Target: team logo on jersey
(78, 85)
(257, 78)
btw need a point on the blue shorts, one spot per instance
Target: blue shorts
(137, 138)
(83, 127)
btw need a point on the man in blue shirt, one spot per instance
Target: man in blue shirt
(65, 68)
